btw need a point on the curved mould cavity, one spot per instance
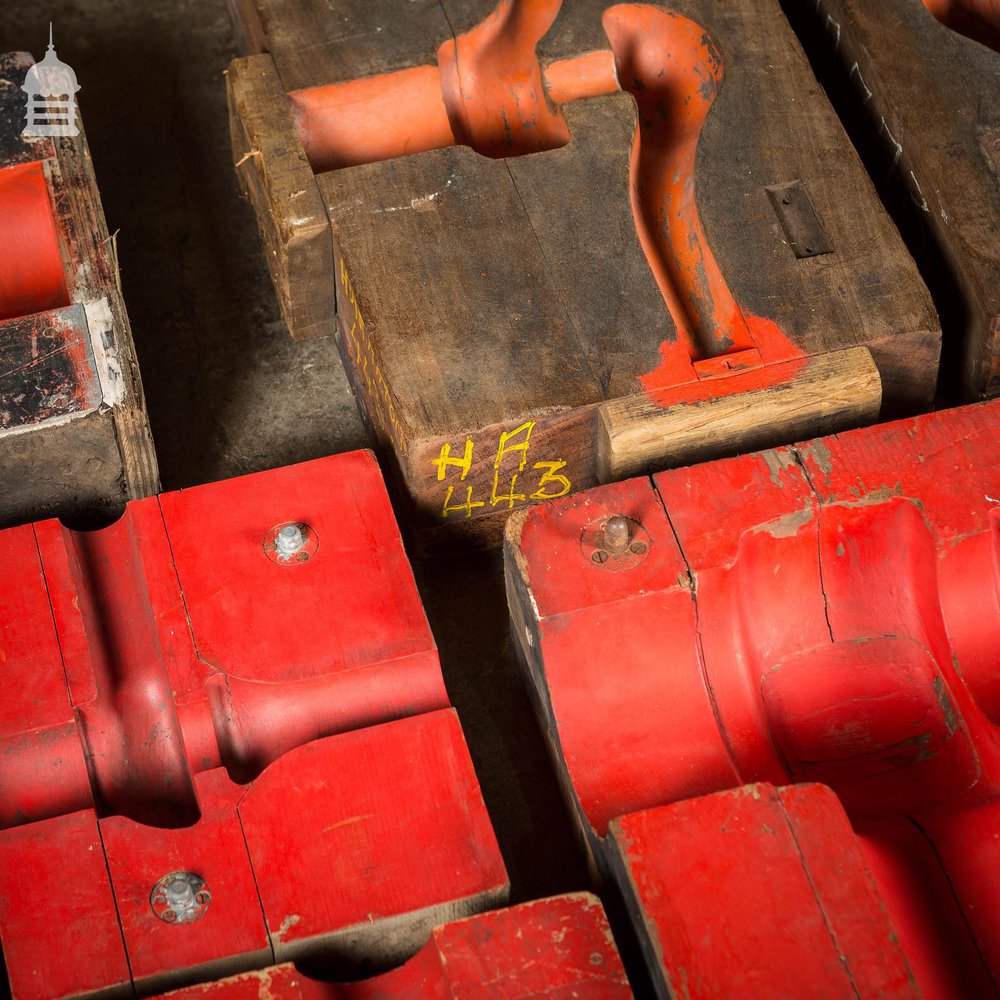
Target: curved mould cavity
(132, 735)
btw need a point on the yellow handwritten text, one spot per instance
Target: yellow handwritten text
(510, 460)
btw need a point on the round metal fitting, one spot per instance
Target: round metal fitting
(290, 543)
(180, 898)
(615, 542)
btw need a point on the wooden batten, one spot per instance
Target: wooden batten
(836, 390)
(276, 178)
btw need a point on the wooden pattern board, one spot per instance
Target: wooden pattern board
(504, 330)
(930, 96)
(74, 436)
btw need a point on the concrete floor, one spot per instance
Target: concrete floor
(229, 392)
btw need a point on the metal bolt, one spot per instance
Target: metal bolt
(180, 893)
(289, 540)
(600, 556)
(180, 898)
(617, 533)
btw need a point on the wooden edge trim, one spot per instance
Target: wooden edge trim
(275, 175)
(823, 394)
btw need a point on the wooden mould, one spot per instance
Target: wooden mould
(924, 79)
(571, 242)
(74, 436)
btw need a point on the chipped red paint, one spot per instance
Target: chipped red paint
(178, 701)
(47, 368)
(558, 947)
(828, 612)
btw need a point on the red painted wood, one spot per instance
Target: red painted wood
(158, 667)
(32, 277)
(357, 593)
(921, 903)
(759, 892)
(845, 623)
(396, 823)
(58, 924)
(231, 932)
(261, 657)
(555, 948)
(588, 615)
(30, 693)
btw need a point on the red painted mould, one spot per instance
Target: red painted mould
(758, 892)
(828, 612)
(183, 699)
(558, 948)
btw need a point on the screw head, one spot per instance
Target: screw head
(617, 533)
(291, 543)
(180, 898)
(289, 540)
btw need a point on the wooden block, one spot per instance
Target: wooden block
(559, 948)
(275, 177)
(56, 904)
(399, 842)
(215, 935)
(74, 436)
(519, 326)
(827, 391)
(926, 96)
(757, 891)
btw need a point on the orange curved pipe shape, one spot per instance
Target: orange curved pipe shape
(489, 92)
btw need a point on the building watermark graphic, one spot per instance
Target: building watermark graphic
(51, 90)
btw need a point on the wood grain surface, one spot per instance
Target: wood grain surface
(494, 314)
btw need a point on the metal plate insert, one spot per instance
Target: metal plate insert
(798, 219)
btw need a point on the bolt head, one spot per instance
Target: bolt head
(616, 533)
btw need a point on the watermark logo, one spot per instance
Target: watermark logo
(51, 90)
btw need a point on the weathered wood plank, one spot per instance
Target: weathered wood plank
(925, 104)
(275, 176)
